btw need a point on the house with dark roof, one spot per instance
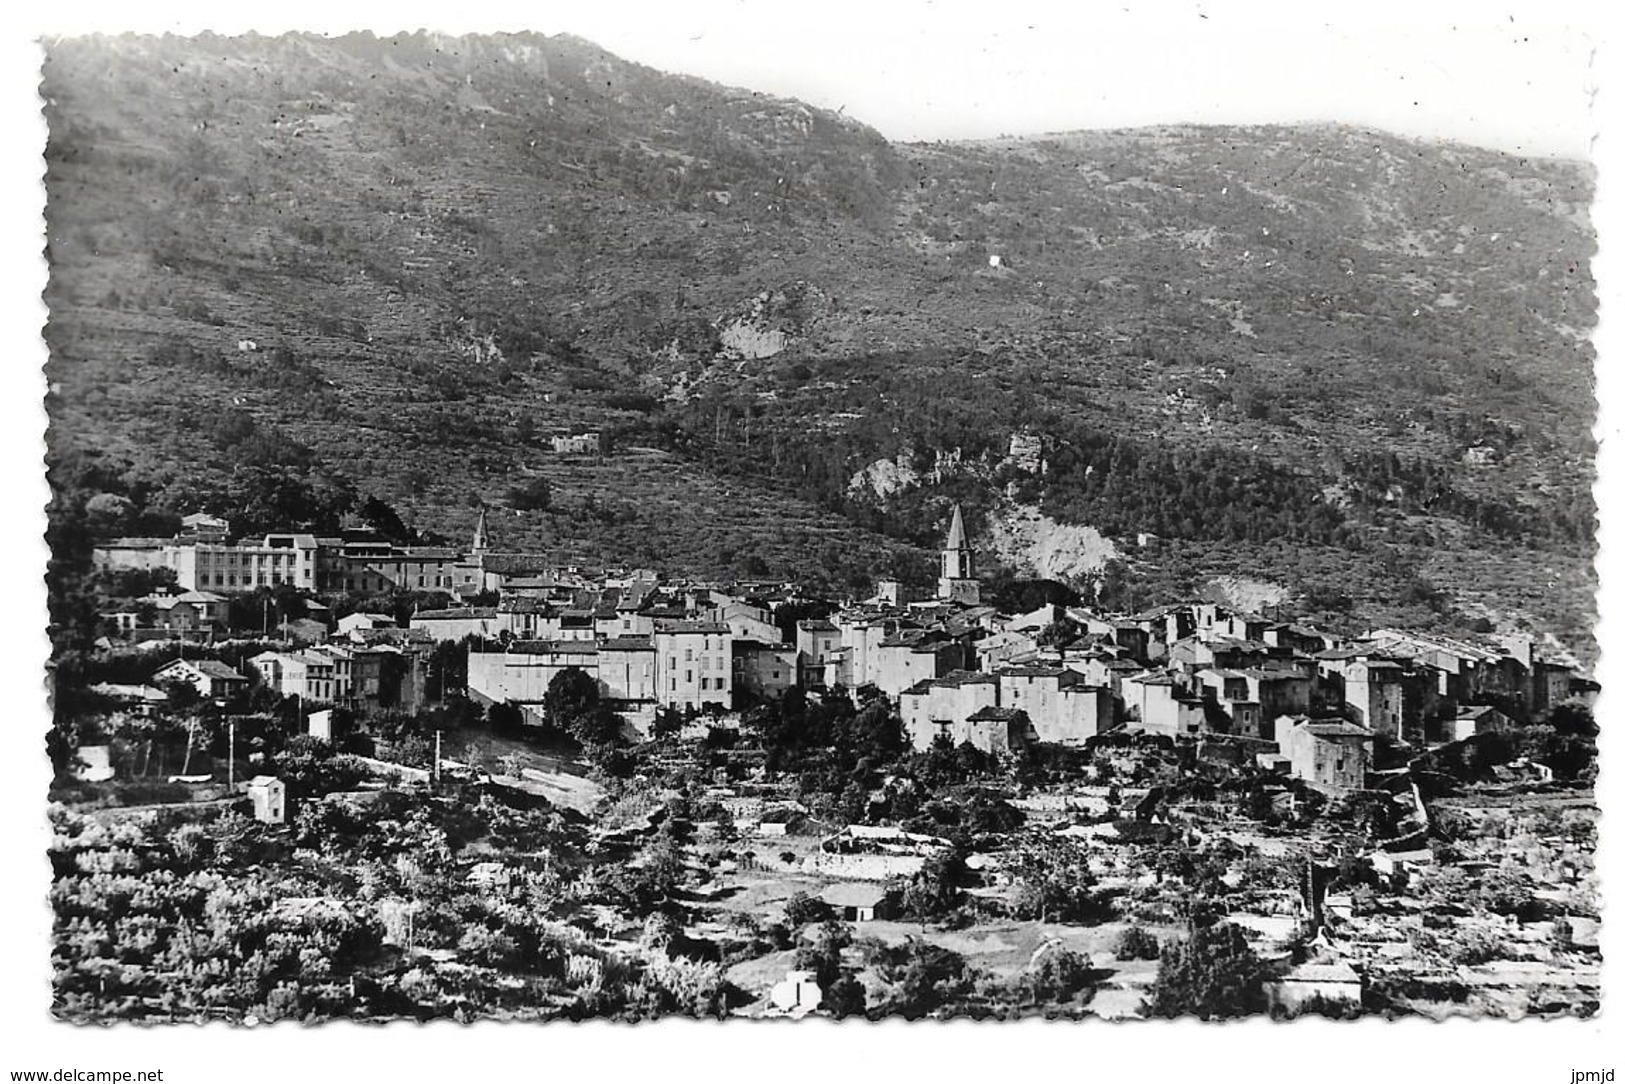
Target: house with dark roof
(454, 624)
(859, 901)
(765, 669)
(626, 670)
(904, 660)
(189, 611)
(998, 730)
(693, 663)
(1063, 707)
(1329, 754)
(524, 669)
(1473, 720)
(1161, 703)
(212, 679)
(932, 706)
(817, 641)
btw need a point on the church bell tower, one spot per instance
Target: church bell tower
(957, 581)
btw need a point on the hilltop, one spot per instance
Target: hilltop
(1351, 363)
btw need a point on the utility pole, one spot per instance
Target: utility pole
(231, 754)
(436, 774)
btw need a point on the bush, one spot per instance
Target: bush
(488, 947)
(534, 495)
(802, 908)
(1056, 974)
(1212, 974)
(1136, 944)
(923, 977)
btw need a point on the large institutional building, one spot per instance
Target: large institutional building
(203, 558)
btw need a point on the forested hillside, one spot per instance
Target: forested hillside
(292, 273)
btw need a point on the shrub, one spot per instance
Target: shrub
(1135, 943)
(1212, 974)
(802, 908)
(1056, 974)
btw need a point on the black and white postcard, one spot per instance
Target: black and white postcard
(915, 514)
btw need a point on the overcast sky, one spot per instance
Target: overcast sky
(1517, 76)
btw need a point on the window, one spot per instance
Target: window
(688, 676)
(705, 683)
(688, 654)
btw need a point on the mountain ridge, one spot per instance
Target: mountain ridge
(443, 251)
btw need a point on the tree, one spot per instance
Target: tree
(383, 518)
(599, 731)
(311, 768)
(1056, 973)
(846, 997)
(505, 717)
(108, 514)
(532, 495)
(823, 956)
(570, 700)
(937, 889)
(668, 723)
(1134, 943)
(1212, 974)
(802, 908)
(923, 977)
(183, 695)
(1054, 882)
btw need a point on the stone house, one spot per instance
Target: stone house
(212, 679)
(1329, 754)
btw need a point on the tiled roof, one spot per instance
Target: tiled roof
(1032, 671)
(1331, 728)
(525, 606)
(627, 643)
(553, 647)
(709, 627)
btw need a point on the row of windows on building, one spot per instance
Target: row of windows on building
(230, 557)
(706, 684)
(258, 579)
(688, 656)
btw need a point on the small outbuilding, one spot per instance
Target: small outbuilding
(270, 797)
(858, 901)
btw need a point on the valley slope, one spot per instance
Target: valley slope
(1350, 364)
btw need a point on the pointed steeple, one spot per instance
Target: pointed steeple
(956, 531)
(480, 533)
(958, 575)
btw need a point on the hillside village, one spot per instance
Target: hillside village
(740, 798)
(536, 537)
